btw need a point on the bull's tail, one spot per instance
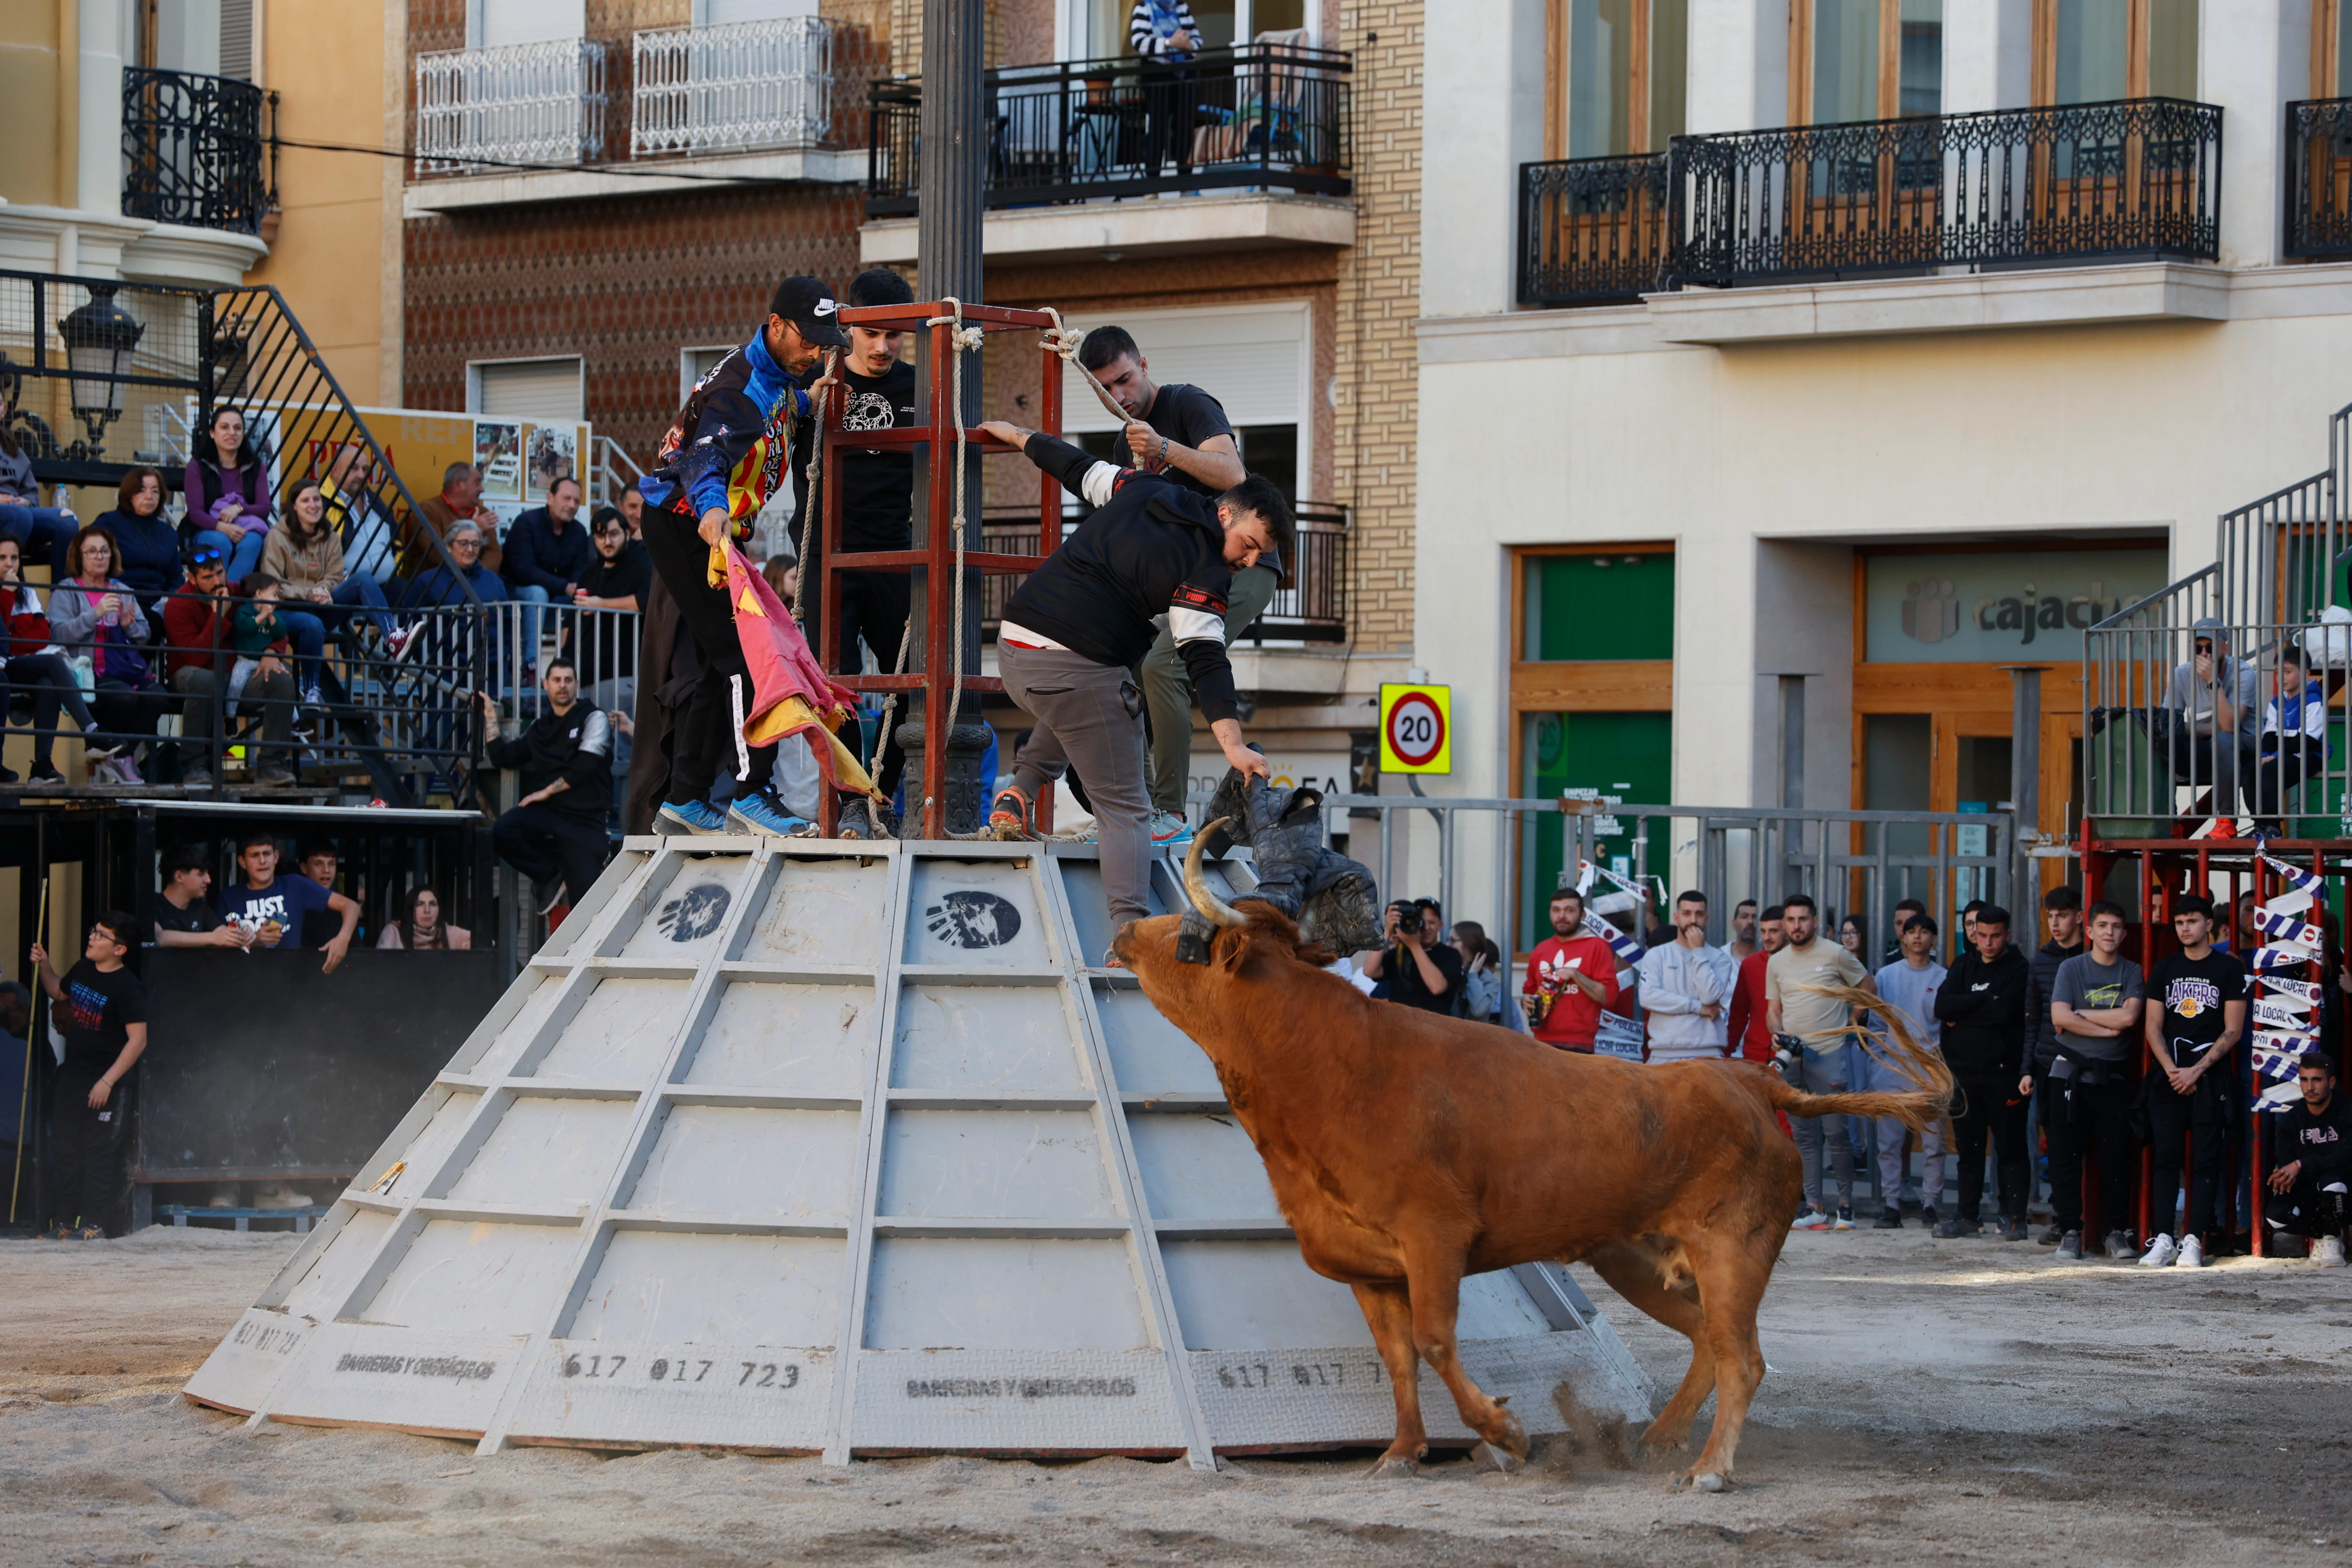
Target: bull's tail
(1918, 1107)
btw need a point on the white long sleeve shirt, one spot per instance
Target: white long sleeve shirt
(1676, 981)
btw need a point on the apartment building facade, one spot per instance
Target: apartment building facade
(1792, 369)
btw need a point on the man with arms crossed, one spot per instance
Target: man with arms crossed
(1909, 985)
(1069, 635)
(1571, 979)
(2081, 1065)
(2199, 1015)
(1794, 1005)
(1686, 987)
(1181, 432)
(1982, 1004)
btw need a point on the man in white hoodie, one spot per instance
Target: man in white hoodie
(1687, 988)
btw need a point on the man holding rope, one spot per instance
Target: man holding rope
(1156, 553)
(1181, 433)
(722, 459)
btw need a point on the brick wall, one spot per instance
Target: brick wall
(1379, 293)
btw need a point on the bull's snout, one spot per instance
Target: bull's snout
(1119, 944)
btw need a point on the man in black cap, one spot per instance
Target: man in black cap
(724, 456)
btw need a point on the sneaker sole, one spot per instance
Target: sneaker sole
(744, 825)
(678, 827)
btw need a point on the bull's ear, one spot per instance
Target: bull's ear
(1233, 946)
(1314, 952)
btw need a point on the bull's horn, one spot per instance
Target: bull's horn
(1196, 886)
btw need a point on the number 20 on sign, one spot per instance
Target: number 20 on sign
(1416, 729)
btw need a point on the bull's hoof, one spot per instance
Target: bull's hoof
(1486, 1455)
(1394, 1467)
(1512, 1439)
(1711, 1481)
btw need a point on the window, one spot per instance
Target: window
(1616, 80)
(1866, 59)
(491, 23)
(718, 13)
(547, 389)
(2093, 51)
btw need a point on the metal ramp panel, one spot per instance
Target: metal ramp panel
(849, 1148)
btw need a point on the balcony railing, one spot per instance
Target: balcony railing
(1310, 606)
(2319, 177)
(736, 88)
(192, 150)
(2132, 179)
(518, 103)
(1594, 230)
(1264, 116)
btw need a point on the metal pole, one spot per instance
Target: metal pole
(2024, 788)
(949, 196)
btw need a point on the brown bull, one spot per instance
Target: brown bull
(1408, 1149)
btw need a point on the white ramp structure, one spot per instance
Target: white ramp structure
(850, 1148)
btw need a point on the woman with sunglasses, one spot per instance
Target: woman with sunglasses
(35, 663)
(43, 529)
(94, 614)
(305, 555)
(149, 546)
(228, 498)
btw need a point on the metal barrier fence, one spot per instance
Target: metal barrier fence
(1593, 231)
(732, 88)
(1850, 862)
(518, 103)
(1273, 116)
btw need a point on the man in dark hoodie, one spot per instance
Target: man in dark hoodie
(1982, 1006)
(2313, 1150)
(2061, 907)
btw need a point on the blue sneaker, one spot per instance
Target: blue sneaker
(1170, 831)
(692, 816)
(759, 813)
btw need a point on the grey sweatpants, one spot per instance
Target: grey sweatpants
(1823, 1074)
(1167, 690)
(1088, 716)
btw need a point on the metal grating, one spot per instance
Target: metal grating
(844, 1148)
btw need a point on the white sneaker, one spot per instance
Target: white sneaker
(2192, 1252)
(2327, 1252)
(2160, 1254)
(1808, 1218)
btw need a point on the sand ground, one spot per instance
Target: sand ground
(1967, 1401)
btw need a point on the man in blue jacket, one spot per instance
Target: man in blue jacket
(548, 554)
(724, 456)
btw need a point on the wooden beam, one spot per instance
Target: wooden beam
(1593, 685)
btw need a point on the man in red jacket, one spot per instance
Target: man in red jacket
(1745, 1030)
(1572, 977)
(196, 662)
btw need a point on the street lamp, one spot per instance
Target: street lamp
(99, 338)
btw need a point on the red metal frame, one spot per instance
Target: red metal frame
(936, 678)
(2163, 863)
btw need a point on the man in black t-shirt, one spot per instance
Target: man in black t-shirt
(184, 916)
(1182, 430)
(2311, 1158)
(102, 1010)
(2196, 1013)
(1421, 967)
(878, 487)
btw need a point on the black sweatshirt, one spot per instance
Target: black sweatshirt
(2041, 1032)
(576, 746)
(2323, 1142)
(1154, 549)
(1984, 1008)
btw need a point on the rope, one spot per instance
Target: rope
(815, 506)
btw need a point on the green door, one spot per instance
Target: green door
(1619, 757)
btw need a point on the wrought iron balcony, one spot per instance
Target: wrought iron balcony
(518, 103)
(2127, 180)
(2319, 177)
(193, 149)
(735, 87)
(1264, 116)
(1310, 606)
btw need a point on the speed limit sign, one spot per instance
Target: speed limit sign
(1416, 729)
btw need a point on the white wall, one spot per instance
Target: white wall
(1486, 63)
(1988, 55)
(2253, 56)
(1739, 64)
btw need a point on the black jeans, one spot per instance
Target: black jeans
(51, 681)
(86, 1180)
(2200, 1119)
(706, 735)
(1990, 1107)
(542, 842)
(2091, 1119)
(2303, 1210)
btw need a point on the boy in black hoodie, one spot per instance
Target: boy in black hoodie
(2312, 1150)
(2062, 908)
(1982, 1006)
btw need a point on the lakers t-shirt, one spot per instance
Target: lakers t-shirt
(2194, 991)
